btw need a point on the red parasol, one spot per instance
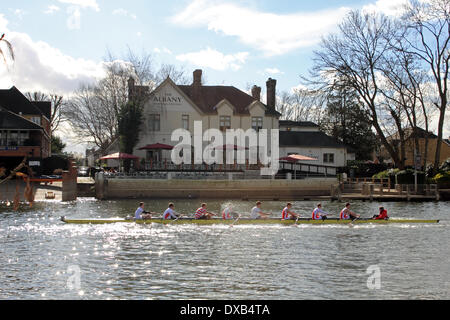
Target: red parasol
(297, 157)
(157, 146)
(119, 156)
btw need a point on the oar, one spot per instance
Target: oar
(175, 219)
(296, 221)
(235, 221)
(351, 223)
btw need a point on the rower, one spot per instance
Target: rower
(227, 213)
(346, 214)
(319, 214)
(170, 213)
(288, 214)
(257, 213)
(141, 214)
(382, 216)
(202, 214)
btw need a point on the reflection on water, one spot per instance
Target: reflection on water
(38, 254)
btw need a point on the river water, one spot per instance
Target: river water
(43, 258)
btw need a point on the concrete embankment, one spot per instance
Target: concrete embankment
(213, 189)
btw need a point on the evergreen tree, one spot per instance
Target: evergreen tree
(346, 121)
(130, 120)
(57, 145)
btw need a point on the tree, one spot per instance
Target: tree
(302, 104)
(91, 119)
(429, 23)
(9, 49)
(94, 109)
(347, 122)
(130, 119)
(355, 54)
(58, 145)
(57, 106)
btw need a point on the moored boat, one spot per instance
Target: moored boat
(247, 221)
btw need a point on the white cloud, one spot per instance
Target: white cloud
(273, 71)
(123, 12)
(165, 50)
(85, 4)
(139, 34)
(74, 19)
(52, 9)
(19, 13)
(40, 67)
(74, 11)
(273, 34)
(388, 7)
(211, 58)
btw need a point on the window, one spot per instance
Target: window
(225, 123)
(36, 120)
(257, 123)
(328, 158)
(154, 122)
(185, 121)
(23, 137)
(13, 139)
(3, 140)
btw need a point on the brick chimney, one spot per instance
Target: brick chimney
(197, 77)
(271, 91)
(197, 84)
(256, 93)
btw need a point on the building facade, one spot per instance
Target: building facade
(171, 106)
(422, 137)
(25, 129)
(305, 138)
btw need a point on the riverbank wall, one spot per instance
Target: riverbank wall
(263, 189)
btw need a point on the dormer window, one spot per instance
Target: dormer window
(225, 123)
(36, 120)
(257, 123)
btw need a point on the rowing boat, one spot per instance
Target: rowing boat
(217, 221)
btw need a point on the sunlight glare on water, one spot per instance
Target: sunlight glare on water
(40, 255)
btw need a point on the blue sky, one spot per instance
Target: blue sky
(60, 44)
(231, 51)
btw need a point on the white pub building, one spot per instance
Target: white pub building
(170, 107)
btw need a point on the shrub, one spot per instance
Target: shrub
(390, 173)
(442, 177)
(407, 177)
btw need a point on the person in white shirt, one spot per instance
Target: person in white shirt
(319, 214)
(257, 213)
(141, 214)
(227, 213)
(170, 213)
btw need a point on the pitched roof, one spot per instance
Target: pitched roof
(308, 139)
(13, 100)
(45, 107)
(11, 121)
(297, 123)
(209, 96)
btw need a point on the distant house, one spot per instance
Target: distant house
(305, 138)
(24, 128)
(423, 135)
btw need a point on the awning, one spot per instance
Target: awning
(119, 156)
(157, 146)
(297, 157)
